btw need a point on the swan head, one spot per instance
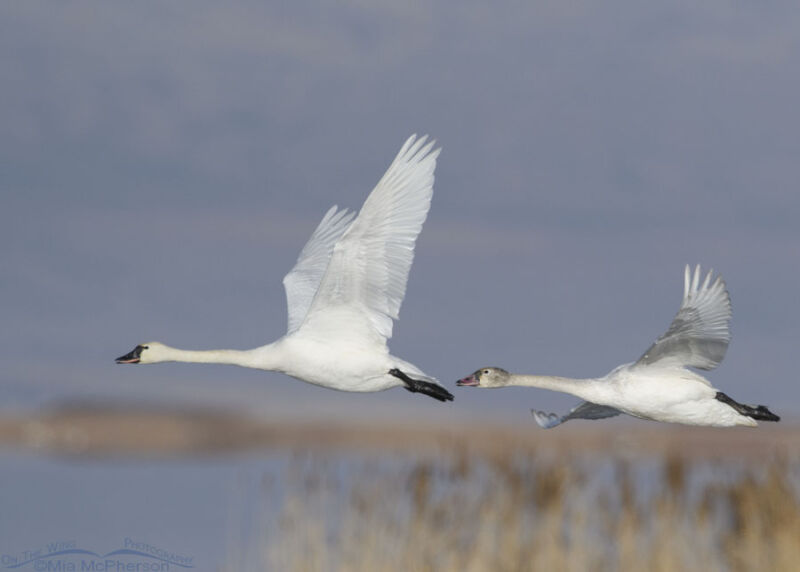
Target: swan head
(149, 352)
(486, 377)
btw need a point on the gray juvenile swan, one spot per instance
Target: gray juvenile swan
(657, 386)
(344, 291)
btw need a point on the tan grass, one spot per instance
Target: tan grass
(518, 513)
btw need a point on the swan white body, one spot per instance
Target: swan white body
(658, 386)
(344, 291)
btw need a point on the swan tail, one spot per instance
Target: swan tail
(757, 412)
(420, 386)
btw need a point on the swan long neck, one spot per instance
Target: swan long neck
(584, 388)
(265, 357)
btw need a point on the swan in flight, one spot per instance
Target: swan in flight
(658, 386)
(344, 291)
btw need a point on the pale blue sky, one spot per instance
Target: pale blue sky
(161, 166)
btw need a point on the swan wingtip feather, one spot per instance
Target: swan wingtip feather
(545, 420)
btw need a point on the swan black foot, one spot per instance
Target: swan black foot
(418, 386)
(757, 412)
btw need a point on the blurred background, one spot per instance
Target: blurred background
(162, 165)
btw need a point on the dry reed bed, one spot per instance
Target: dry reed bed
(508, 510)
(100, 429)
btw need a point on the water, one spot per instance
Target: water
(225, 510)
(190, 508)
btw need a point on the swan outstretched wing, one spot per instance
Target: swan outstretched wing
(365, 281)
(585, 410)
(302, 282)
(699, 333)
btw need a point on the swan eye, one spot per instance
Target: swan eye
(145, 347)
(486, 372)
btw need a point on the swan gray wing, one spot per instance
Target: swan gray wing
(303, 279)
(365, 280)
(699, 333)
(585, 410)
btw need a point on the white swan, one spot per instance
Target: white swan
(658, 386)
(344, 291)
